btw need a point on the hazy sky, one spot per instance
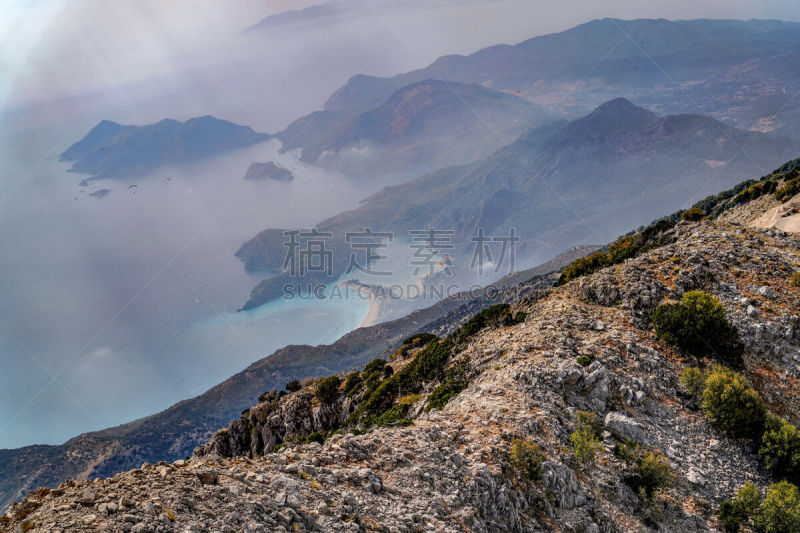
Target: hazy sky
(53, 48)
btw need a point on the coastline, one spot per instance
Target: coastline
(372, 314)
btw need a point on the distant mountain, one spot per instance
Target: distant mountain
(618, 167)
(427, 124)
(740, 72)
(111, 150)
(175, 432)
(324, 11)
(332, 10)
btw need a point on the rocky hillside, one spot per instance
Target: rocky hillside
(565, 411)
(175, 432)
(424, 125)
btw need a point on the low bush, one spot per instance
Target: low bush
(780, 511)
(652, 469)
(585, 360)
(495, 315)
(415, 341)
(795, 280)
(629, 451)
(513, 320)
(376, 365)
(732, 404)
(420, 339)
(789, 189)
(527, 457)
(738, 510)
(328, 389)
(293, 386)
(583, 266)
(694, 381)
(454, 382)
(622, 249)
(353, 384)
(397, 415)
(780, 449)
(655, 473)
(268, 396)
(585, 440)
(693, 215)
(755, 191)
(650, 237)
(699, 325)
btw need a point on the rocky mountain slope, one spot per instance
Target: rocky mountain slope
(425, 125)
(732, 70)
(111, 150)
(598, 176)
(563, 411)
(175, 432)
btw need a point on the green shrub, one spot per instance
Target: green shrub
(353, 384)
(739, 509)
(583, 266)
(586, 438)
(694, 381)
(267, 396)
(629, 451)
(328, 389)
(397, 415)
(527, 457)
(293, 386)
(623, 248)
(732, 404)
(755, 191)
(420, 339)
(376, 365)
(513, 320)
(494, 315)
(780, 449)
(585, 360)
(693, 215)
(789, 189)
(795, 281)
(430, 362)
(699, 325)
(415, 341)
(780, 512)
(454, 382)
(655, 473)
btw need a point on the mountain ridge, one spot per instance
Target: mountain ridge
(429, 123)
(650, 66)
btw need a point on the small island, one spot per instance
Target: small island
(268, 170)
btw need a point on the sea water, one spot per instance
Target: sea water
(114, 308)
